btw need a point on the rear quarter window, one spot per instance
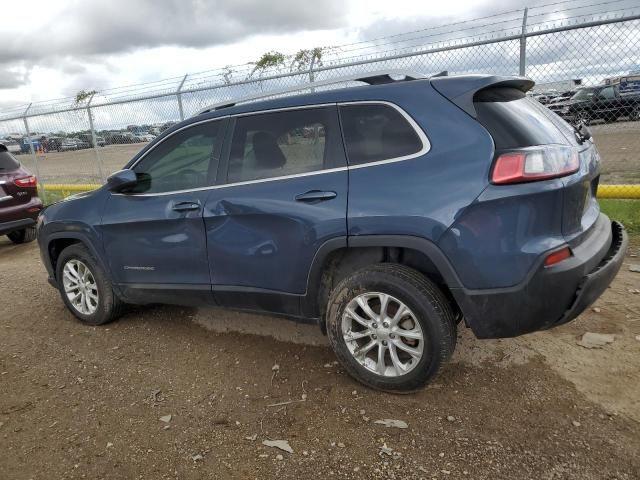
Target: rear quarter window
(376, 132)
(515, 120)
(7, 162)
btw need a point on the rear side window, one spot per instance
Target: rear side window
(289, 142)
(515, 120)
(7, 162)
(375, 132)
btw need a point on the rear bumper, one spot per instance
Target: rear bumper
(549, 296)
(14, 225)
(17, 217)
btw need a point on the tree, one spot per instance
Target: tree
(268, 60)
(84, 95)
(305, 58)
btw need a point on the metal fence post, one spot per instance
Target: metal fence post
(179, 94)
(94, 141)
(311, 74)
(33, 153)
(523, 44)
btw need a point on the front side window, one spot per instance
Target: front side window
(183, 161)
(289, 142)
(375, 132)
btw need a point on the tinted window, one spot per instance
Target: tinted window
(607, 93)
(374, 132)
(182, 161)
(584, 94)
(515, 120)
(7, 162)
(284, 143)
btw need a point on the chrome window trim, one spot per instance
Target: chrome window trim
(426, 144)
(208, 120)
(426, 147)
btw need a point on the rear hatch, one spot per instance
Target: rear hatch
(551, 147)
(517, 122)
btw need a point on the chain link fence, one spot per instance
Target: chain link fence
(586, 70)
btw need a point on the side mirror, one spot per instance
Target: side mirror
(121, 180)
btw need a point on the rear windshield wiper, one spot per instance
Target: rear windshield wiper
(582, 132)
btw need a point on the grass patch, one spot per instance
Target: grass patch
(625, 211)
(50, 197)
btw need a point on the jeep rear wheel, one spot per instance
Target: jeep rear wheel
(391, 328)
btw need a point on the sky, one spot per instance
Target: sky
(53, 49)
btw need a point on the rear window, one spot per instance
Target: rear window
(374, 132)
(7, 162)
(515, 120)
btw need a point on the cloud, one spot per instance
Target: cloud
(114, 26)
(10, 78)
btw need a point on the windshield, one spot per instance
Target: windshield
(584, 94)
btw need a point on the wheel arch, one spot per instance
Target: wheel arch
(338, 257)
(57, 242)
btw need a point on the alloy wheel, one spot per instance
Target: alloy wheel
(80, 287)
(382, 334)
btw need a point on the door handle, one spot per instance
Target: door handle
(186, 206)
(316, 196)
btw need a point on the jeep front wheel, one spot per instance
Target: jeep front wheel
(85, 287)
(391, 328)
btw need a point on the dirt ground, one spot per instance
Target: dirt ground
(618, 144)
(81, 402)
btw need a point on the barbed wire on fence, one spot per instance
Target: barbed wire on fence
(81, 140)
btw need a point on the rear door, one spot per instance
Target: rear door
(155, 233)
(282, 193)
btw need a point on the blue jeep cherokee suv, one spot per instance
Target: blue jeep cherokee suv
(388, 213)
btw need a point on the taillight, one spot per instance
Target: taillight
(27, 182)
(535, 163)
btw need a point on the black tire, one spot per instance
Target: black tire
(25, 235)
(635, 114)
(430, 307)
(583, 117)
(109, 306)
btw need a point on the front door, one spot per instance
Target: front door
(283, 194)
(155, 233)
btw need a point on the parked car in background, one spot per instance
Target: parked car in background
(598, 103)
(545, 97)
(19, 202)
(24, 145)
(88, 138)
(145, 137)
(73, 144)
(53, 144)
(424, 204)
(562, 97)
(120, 138)
(13, 147)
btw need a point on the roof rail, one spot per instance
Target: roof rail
(371, 78)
